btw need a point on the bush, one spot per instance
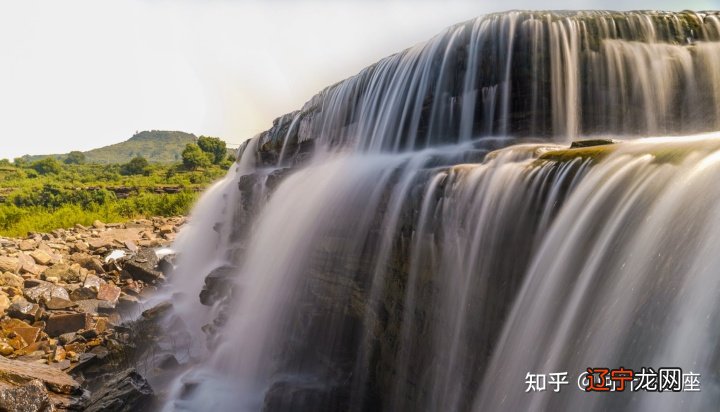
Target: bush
(47, 166)
(136, 166)
(214, 147)
(193, 157)
(75, 158)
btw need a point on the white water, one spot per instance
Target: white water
(380, 276)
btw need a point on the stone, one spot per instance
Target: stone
(126, 392)
(56, 303)
(88, 262)
(98, 224)
(64, 323)
(93, 282)
(143, 265)
(22, 372)
(5, 348)
(26, 245)
(29, 334)
(45, 292)
(66, 338)
(157, 311)
(9, 264)
(24, 310)
(11, 279)
(64, 272)
(30, 397)
(82, 293)
(42, 257)
(4, 303)
(218, 285)
(95, 306)
(108, 292)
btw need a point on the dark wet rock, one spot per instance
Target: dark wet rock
(127, 392)
(592, 142)
(143, 266)
(31, 397)
(218, 285)
(166, 264)
(157, 311)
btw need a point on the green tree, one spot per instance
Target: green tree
(46, 166)
(193, 157)
(136, 166)
(216, 148)
(75, 158)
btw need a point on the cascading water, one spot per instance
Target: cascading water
(419, 236)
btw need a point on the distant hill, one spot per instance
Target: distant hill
(159, 146)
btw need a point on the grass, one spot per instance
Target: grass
(31, 202)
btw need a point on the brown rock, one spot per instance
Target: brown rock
(88, 262)
(45, 292)
(64, 323)
(64, 272)
(29, 334)
(108, 292)
(26, 245)
(11, 280)
(4, 303)
(98, 224)
(56, 303)
(42, 257)
(9, 264)
(54, 379)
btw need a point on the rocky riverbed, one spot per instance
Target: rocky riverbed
(70, 302)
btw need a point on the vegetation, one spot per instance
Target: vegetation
(157, 146)
(47, 194)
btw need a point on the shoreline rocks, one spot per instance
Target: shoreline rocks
(62, 295)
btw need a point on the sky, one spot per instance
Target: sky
(81, 74)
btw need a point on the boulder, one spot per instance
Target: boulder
(108, 292)
(9, 264)
(127, 392)
(11, 279)
(218, 285)
(45, 292)
(64, 272)
(31, 397)
(64, 323)
(143, 266)
(22, 372)
(24, 310)
(26, 245)
(42, 257)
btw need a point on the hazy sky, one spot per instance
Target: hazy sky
(79, 74)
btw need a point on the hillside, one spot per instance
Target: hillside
(157, 146)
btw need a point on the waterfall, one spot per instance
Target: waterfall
(420, 236)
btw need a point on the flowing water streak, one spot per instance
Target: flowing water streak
(625, 277)
(325, 301)
(559, 74)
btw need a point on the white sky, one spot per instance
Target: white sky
(80, 74)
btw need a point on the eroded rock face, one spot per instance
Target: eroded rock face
(127, 392)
